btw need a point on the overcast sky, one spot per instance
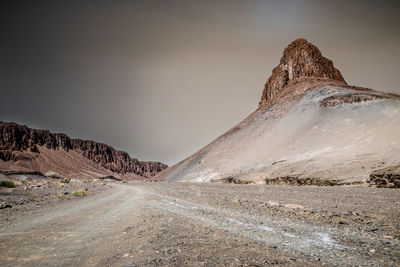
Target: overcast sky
(161, 79)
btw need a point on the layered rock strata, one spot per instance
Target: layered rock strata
(15, 137)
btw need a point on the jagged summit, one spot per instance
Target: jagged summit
(300, 60)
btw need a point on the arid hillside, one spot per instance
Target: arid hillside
(23, 149)
(311, 128)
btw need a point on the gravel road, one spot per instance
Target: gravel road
(175, 224)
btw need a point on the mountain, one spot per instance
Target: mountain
(31, 150)
(310, 128)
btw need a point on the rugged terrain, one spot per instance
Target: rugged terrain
(26, 149)
(311, 128)
(38, 191)
(185, 224)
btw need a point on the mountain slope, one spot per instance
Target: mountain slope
(310, 127)
(26, 149)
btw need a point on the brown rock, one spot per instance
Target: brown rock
(300, 60)
(351, 98)
(387, 177)
(5, 205)
(15, 137)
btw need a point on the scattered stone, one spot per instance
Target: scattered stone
(5, 205)
(5, 190)
(231, 180)
(272, 204)
(52, 174)
(294, 206)
(386, 178)
(295, 180)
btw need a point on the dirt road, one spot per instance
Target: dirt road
(148, 224)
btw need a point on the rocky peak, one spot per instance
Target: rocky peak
(300, 60)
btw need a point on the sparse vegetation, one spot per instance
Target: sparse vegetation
(80, 193)
(33, 197)
(231, 180)
(7, 183)
(124, 181)
(65, 180)
(59, 196)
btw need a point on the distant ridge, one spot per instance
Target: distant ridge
(16, 138)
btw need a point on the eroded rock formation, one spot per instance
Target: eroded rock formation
(15, 137)
(300, 59)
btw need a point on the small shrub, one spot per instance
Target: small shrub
(7, 183)
(65, 180)
(270, 213)
(124, 182)
(60, 196)
(33, 197)
(80, 193)
(24, 182)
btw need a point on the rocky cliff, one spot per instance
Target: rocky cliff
(300, 60)
(15, 137)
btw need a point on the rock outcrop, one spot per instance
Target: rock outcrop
(387, 177)
(15, 137)
(300, 59)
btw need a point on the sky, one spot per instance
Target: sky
(161, 79)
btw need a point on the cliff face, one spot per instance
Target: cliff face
(15, 137)
(300, 59)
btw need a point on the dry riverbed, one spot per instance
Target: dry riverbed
(175, 224)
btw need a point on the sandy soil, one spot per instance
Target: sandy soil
(175, 224)
(325, 133)
(37, 192)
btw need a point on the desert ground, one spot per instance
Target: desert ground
(208, 224)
